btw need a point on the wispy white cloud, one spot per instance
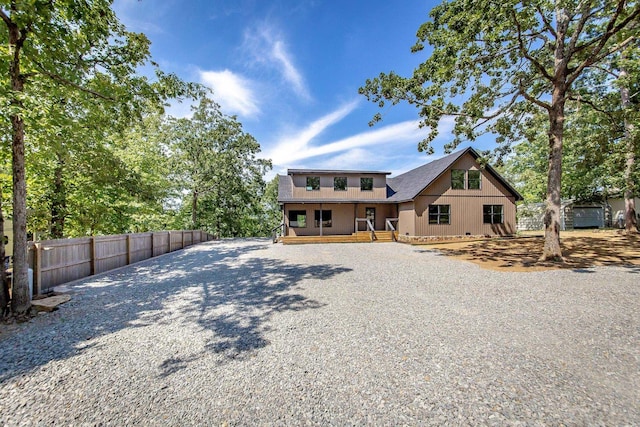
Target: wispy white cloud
(233, 92)
(353, 152)
(299, 142)
(267, 46)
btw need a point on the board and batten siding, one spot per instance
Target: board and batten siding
(342, 219)
(327, 192)
(406, 219)
(466, 206)
(383, 211)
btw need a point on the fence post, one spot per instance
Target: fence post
(152, 237)
(128, 249)
(182, 245)
(37, 268)
(169, 250)
(92, 253)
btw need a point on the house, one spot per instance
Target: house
(451, 196)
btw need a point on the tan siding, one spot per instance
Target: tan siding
(466, 205)
(489, 185)
(406, 223)
(466, 216)
(327, 192)
(342, 219)
(383, 211)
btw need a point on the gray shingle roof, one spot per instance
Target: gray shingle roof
(409, 185)
(285, 187)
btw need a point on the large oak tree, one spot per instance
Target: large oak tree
(495, 64)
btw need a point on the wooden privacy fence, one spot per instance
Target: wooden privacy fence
(59, 261)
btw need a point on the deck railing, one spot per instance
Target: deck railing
(369, 226)
(277, 231)
(389, 227)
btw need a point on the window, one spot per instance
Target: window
(474, 180)
(340, 183)
(492, 214)
(326, 219)
(439, 214)
(313, 183)
(297, 219)
(366, 184)
(457, 179)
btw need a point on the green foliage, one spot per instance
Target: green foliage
(493, 63)
(215, 162)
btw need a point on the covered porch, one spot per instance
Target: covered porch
(339, 219)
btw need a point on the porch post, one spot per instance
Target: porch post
(320, 219)
(355, 217)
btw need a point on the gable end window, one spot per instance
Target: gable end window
(439, 214)
(457, 179)
(297, 219)
(366, 184)
(326, 219)
(465, 180)
(473, 180)
(340, 183)
(313, 183)
(492, 214)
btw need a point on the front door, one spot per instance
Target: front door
(370, 214)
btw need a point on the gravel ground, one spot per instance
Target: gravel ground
(244, 332)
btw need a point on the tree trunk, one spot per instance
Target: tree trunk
(4, 288)
(194, 210)
(630, 222)
(552, 250)
(58, 201)
(20, 298)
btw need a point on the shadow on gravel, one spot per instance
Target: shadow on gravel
(224, 287)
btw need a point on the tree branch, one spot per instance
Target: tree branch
(533, 100)
(546, 22)
(591, 104)
(524, 51)
(578, 30)
(5, 18)
(67, 82)
(604, 38)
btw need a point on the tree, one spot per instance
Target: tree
(81, 46)
(215, 162)
(271, 207)
(495, 64)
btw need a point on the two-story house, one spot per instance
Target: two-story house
(451, 196)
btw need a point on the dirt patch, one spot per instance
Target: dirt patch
(581, 249)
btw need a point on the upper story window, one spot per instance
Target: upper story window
(457, 179)
(473, 180)
(462, 179)
(340, 183)
(313, 183)
(366, 184)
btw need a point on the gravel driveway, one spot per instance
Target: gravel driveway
(243, 332)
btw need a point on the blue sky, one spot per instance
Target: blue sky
(290, 70)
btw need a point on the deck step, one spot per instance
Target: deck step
(358, 237)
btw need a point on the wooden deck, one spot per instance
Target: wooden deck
(359, 237)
